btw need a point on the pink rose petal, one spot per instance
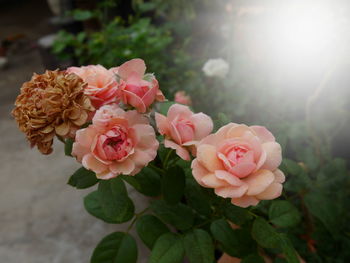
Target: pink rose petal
(91, 163)
(162, 124)
(198, 171)
(231, 191)
(125, 167)
(180, 151)
(273, 155)
(228, 177)
(206, 155)
(271, 192)
(179, 111)
(136, 65)
(259, 181)
(210, 180)
(264, 134)
(245, 201)
(203, 125)
(237, 131)
(134, 100)
(279, 176)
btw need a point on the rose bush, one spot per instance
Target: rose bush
(126, 139)
(313, 209)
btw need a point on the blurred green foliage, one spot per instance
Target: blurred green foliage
(117, 43)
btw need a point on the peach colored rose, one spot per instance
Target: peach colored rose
(182, 98)
(117, 142)
(240, 163)
(137, 89)
(102, 85)
(183, 129)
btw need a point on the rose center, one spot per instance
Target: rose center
(116, 144)
(237, 158)
(185, 129)
(236, 154)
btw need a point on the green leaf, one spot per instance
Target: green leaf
(82, 15)
(199, 247)
(68, 146)
(288, 249)
(173, 185)
(149, 229)
(93, 206)
(223, 233)
(309, 157)
(268, 237)
(81, 36)
(83, 178)
(164, 107)
(167, 249)
(246, 244)
(146, 7)
(115, 201)
(196, 198)
(237, 214)
(254, 258)
(148, 77)
(284, 214)
(146, 182)
(223, 119)
(280, 260)
(265, 234)
(324, 209)
(116, 247)
(292, 167)
(179, 215)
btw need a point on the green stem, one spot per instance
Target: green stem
(137, 215)
(165, 164)
(154, 167)
(142, 212)
(253, 214)
(203, 224)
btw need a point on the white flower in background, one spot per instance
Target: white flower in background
(217, 67)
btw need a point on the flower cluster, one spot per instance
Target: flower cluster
(107, 112)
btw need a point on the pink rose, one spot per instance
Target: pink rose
(102, 85)
(136, 88)
(182, 98)
(117, 142)
(240, 163)
(183, 129)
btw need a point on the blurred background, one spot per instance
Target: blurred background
(286, 67)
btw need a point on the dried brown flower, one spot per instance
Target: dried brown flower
(51, 104)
